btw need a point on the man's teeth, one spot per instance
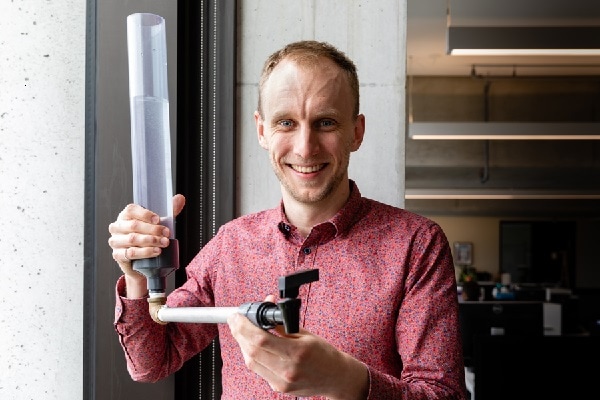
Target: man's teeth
(307, 170)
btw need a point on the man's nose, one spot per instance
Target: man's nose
(306, 143)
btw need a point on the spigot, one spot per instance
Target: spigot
(264, 314)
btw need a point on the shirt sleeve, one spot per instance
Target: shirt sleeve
(427, 329)
(154, 351)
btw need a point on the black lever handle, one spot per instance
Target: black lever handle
(286, 312)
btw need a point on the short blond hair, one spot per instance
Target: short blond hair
(304, 51)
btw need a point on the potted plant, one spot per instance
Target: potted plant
(470, 287)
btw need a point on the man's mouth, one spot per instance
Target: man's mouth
(307, 169)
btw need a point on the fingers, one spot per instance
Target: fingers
(131, 235)
(125, 254)
(271, 299)
(138, 220)
(137, 212)
(255, 344)
(285, 365)
(136, 234)
(120, 256)
(135, 218)
(263, 346)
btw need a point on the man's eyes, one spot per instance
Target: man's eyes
(323, 123)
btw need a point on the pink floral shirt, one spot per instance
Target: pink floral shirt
(386, 294)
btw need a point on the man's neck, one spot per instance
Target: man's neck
(304, 216)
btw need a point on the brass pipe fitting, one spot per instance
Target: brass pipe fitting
(154, 305)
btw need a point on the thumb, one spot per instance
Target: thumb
(178, 203)
(271, 298)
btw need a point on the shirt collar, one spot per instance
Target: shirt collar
(342, 221)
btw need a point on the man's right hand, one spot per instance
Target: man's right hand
(136, 234)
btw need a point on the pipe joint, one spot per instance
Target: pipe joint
(154, 305)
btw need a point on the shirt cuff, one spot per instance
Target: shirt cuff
(129, 310)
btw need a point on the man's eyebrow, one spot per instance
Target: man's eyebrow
(328, 113)
(324, 113)
(280, 115)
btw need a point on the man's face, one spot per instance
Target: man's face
(309, 128)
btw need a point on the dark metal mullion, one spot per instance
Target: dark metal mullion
(225, 111)
(220, 128)
(209, 377)
(89, 247)
(205, 152)
(189, 179)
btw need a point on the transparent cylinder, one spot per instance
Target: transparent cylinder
(149, 106)
(151, 139)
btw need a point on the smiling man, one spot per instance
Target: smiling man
(381, 322)
(308, 121)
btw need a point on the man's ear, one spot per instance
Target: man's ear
(260, 130)
(359, 132)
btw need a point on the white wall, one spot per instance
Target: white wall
(42, 76)
(482, 232)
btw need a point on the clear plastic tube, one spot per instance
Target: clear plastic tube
(150, 126)
(151, 138)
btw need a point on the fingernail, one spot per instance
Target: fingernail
(165, 232)
(164, 241)
(155, 219)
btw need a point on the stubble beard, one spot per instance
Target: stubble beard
(305, 194)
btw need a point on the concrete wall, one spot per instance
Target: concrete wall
(42, 130)
(373, 34)
(42, 75)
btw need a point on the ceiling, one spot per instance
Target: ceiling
(428, 20)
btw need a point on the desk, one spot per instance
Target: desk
(547, 367)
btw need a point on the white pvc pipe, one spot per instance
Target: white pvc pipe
(206, 315)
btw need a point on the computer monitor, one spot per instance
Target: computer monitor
(498, 318)
(539, 252)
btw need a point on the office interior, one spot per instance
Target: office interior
(521, 213)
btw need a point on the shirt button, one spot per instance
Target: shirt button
(306, 250)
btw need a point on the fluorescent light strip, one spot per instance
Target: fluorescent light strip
(495, 194)
(523, 40)
(504, 131)
(525, 52)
